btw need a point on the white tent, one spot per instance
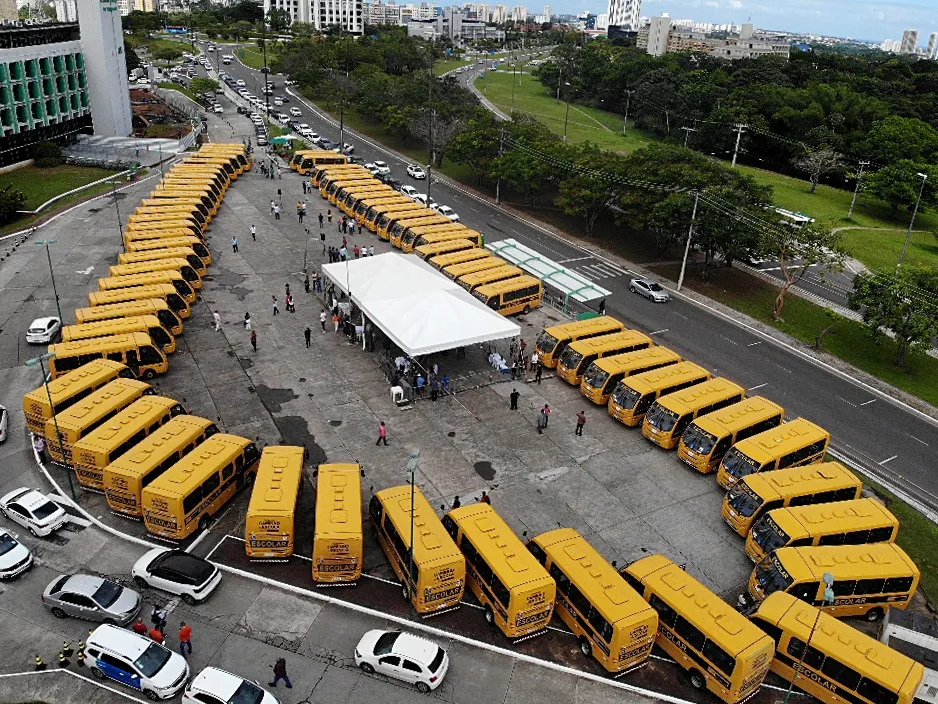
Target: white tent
(418, 308)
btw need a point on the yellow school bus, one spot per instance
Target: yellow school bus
(609, 619)
(792, 444)
(669, 416)
(187, 495)
(319, 173)
(357, 197)
(270, 523)
(176, 201)
(397, 229)
(330, 185)
(216, 173)
(155, 254)
(117, 435)
(601, 377)
(868, 579)
(319, 157)
(39, 405)
(368, 208)
(709, 437)
(855, 522)
(181, 265)
(298, 155)
(840, 665)
(518, 294)
(165, 292)
(162, 229)
(455, 271)
(426, 251)
(173, 278)
(79, 419)
(387, 219)
(148, 324)
(148, 216)
(347, 198)
(136, 350)
(238, 151)
(196, 182)
(438, 577)
(578, 356)
(415, 236)
(143, 245)
(515, 590)
(338, 545)
(125, 477)
(344, 190)
(721, 650)
(751, 497)
(189, 194)
(229, 164)
(633, 396)
(441, 261)
(553, 340)
(488, 276)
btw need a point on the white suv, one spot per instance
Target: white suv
(136, 661)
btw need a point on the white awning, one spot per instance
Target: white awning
(570, 283)
(418, 308)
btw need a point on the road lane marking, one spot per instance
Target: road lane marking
(575, 259)
(888, 459)
(867, 403)
(915, 438)
(783, 368)
(732, 342)
(681, 315)
(753, 388)
(657, 332)
(753, 344)
(849, 403)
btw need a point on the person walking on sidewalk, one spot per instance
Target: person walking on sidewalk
(541, 421)
(276, 212)
(580, 422)
(321, 218)
(185, 639)
(40, 446)
(217, 321)
(322, 319)
(382, 434)
(247, 322)
(513, 397)
(234, 244)
(272, 204)
(307, 333)
(538, 370)
(546, 411)
(280, 673)
(254, 339)
(329, 215)
(273, 300)
(254, 232)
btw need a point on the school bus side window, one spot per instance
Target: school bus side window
(191, 501)
(898, 584)
(634, 583)
(602, 626)
(535, 550)
(844, 587)
(116, 357)
(228, 471)
(578, 600)
(210, 485)
(501, 591)
(869, 586)
(839, 672)
(563, 582)
(374, 509)
(805, 592)
(719, 657)
(813, 658)
(774, 631)
(666, 614)
(468, 549)
(251, 454)
(450, 526)
(689, 633)
(876, 693)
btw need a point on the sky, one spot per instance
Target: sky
(860, 19)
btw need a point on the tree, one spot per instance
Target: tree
(203, 85)
(142, 23)
(903, 303)
(896, 138)
(131, 59)
(818, 163)
(798, 250)
(11, 200)
(278, 19)
(899, 185)
(47, 154)
(592, 187)
(167, 53)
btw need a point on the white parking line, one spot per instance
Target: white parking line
(753, 388)
(888, 459)
(658, 332)
(849, 403)
(732, 342)
(915, 438)
(867, 403)
(753, 344)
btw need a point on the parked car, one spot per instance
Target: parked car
(416, 172)
(404, 657)
(410, 192)
(217, 108)
(327, 144)
(289, 82)
(15, 558)
(383, 168)
(651, 290)
(43, 330)
(356, 160)
(136, 661)
(295, 112)
(306, 130)
(217, 686)
(348, 149)
(240, 83)
(91, 598)
(372, 168)
(177, 572)
(32, 510)
(447, 212)
(278, 100)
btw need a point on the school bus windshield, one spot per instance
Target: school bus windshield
(768, 535)
(743, 499)
(625, 396)
(662, 418)
(772, 577)
(596, 376)
(699, 440)
(738, 464)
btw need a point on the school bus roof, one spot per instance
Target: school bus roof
(718, 620)
(846, 562)
(132, 280)
(192, 470)
(467, 255)
(98, 403)
(584, 327)
(456, 270)
(856, 514)
(85, 376)
(279, 475)
(404, 209)
(431, 541)
(104, 345)
(740, 415)
(159, 445)
(626, 361)
(510, 560)
(779, 441)
(694, 397)
(500, 287)
(110, 326)
(120, 295)
(599, 581)
(155, 254)
(480, 278)
(338, 499)
(855, 649)
(432, 248)
(611, 341)
(126, 423)
(392, 198)
(657, 378)
(142, 307)
(780, 483)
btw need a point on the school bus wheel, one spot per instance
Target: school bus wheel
(204, 522)
(697, 681)
(585, 647)
(874, 614)
(489, 616)
(527, 309)
(149, 374)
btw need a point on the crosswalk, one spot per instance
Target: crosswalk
(599, 270)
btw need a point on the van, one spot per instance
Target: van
(136, 661)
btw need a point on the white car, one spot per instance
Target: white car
(32, 510)
(240, 83)
(218, 108)
(372, 168)
(43, 330)
(177, 572)
(651, 290)
(289, 83)
(383, 168)
(426, 200)
(404, 657)
(306, 130)
(313, 137)
(283, 119)
(15, 558)
(295, 112)
(278, 101)
(408, 191)
(214, 686)
(447, 212)
(416, 172)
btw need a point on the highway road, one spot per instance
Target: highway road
(889, 440)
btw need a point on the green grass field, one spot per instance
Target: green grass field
(182, 89)
(441, 67)
(880, 249)
(252, 58)
(40, 185)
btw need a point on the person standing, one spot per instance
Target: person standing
(371, 251)
(546, 411)
(434, 388)
(541, 421)
(254, 339)
(272, 204)
(139, 627)
(329, 215)
(602, 307)
(247, 322)
(321, 218)
(322, 319)
(484, 499)
(456, 502)
(234, 244)
(273, 300)
(280, 673)
(40, 446)
(580, 422)
(185, 639)
(382, 434)
(538, 370)
(276, 212)
(513, 397)
(322, 235)
(217, 321)
(158, 618)
(254, 232)
(307, 333)
(156, 635)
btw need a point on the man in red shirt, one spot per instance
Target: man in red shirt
(185, 638)
(140, 627)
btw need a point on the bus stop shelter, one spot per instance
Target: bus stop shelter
(419, 309)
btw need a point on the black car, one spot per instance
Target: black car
(356, 160)
(295, 125)
(392, 182)
(327, 144)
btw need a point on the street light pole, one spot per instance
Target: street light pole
(857, 189)
(117, 209)
(266, 69)
(625, 120)
(566, 116)
(908, 235)
(690, 235)
(46, 243)
(413, 465)
(430, 153)
(40, 360)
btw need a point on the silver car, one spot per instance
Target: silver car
(91, 598)
(651, 290)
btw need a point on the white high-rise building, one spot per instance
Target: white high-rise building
(932, 45)
(625, 13)
(602, 21)
(547, 12)
(909, 41)
(499, 14)
(102, 43)
(66, 10)
(519, 13)
(322, 14)
(658, 33)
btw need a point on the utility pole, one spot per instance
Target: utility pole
(739, 135)
(857, 189)
(687, 131)
(690, 235)
(55, 292)
(566, 116)
(430, 126)
(908, 235)
(498, 183)
(413, 464)
(117, 208)
(625, 120)
(266, 69)
(559, 83)
(342, 104)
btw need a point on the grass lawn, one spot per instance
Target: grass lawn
(805, 320)
(441, 67)
(40, 185)
(182, 89)
(56, 207)
(584, 124)
(880, 249)
(252, 58)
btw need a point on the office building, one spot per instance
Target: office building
(66, 10)
(659, 30)
(519, 13)
(662, 36)
(909, 41)
(322, 14)
(8, 11)
(625, 14)
(932, 45)
(547, 12)
(102, 42)
(456, 27)
(499, 14)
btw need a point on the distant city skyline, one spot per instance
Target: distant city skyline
(859, 19)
